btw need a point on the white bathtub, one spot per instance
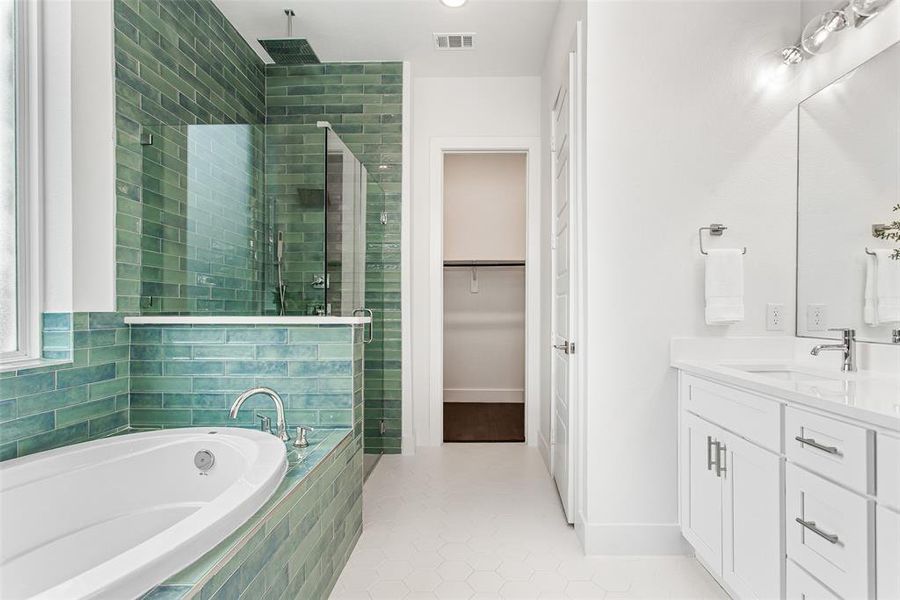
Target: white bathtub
(115, 517)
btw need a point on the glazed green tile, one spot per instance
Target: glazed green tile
(8, 410)
(161, 384)
(194, 367)
(85, 411)
(168, 417)
(26, 384)
(57, 438)
(113, 387)
(222, 384)
(192, 336)
(262, 335)
(94, 338)
(335, 351)
(289, 352)
(83, 375)
(224, 351)
(26, 426)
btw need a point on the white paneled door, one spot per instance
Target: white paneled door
(561, 450)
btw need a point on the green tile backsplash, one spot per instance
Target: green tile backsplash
(191, 375)
(84, 398)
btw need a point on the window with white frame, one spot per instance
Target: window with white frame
(19, 313)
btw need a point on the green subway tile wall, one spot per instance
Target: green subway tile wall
(180, 63)
(297, 544)
(363, 102)
(190, 375)
(81, 399)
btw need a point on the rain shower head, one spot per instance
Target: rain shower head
(290, 50)
(294, 51)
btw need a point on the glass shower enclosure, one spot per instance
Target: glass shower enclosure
(251, 219)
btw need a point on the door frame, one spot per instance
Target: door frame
(530, 146)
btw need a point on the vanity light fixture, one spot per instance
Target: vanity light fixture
(791, 55)
(868, 8)
(453, 3)
(819, 34)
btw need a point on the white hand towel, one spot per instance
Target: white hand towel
(724, 286)
(870, 306)
(887, 287)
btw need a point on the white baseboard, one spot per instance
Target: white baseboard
(631, 539)
(543, 445)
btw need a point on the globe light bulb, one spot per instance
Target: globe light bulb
(819, 34)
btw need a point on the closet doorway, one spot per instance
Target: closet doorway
(484, 261)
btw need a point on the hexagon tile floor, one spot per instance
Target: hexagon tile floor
(479, 521)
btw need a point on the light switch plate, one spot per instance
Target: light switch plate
(816, 317)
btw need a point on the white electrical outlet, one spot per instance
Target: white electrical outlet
(774, 317)
(816, 317)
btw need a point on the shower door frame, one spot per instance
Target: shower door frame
(530, 147)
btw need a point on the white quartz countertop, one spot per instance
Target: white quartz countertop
(870, 397)
(249, 320)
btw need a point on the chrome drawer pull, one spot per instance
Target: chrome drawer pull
(817, 445)
(709, 460)
(721, 451)
(811, 525)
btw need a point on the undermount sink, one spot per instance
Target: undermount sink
(787, 374)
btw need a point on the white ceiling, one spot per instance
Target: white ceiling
(511, 35)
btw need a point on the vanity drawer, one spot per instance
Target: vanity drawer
(803, 586)
(752, 417)
(836, 450)
(841, 554)
(887, 479)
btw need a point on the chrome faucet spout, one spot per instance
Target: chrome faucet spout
(280, 424)
(848, 348)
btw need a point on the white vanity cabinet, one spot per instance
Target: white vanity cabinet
(781, 500)
(731, 491)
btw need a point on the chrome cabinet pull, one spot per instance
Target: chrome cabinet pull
(720, 460)
(817, 445)
(811, 525)
(709, 460)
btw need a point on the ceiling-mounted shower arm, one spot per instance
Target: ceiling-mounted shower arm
(289, 13)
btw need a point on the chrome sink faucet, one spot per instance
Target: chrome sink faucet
(848, 347)
(280, 424)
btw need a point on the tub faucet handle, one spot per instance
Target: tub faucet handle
(265, 423)
(301, 441)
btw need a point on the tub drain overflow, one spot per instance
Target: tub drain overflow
(204, 460)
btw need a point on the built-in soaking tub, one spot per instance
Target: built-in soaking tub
(114, 517)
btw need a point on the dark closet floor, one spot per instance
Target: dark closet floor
(484, 422)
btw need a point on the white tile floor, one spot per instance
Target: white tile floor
(482, 521)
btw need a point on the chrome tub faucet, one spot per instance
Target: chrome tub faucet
(280, 424)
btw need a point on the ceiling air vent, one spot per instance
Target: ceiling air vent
(454, 41)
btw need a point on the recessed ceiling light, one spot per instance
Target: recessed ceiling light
(453, 3)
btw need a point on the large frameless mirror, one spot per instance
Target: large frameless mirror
(848, 267)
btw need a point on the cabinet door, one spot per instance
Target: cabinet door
(701, 490)
(752, 549)
(887, 537)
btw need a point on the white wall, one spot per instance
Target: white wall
(678, 136)
(57, 155)
(452, 107)
(484, 206)
(94, 161)
(484, 335)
